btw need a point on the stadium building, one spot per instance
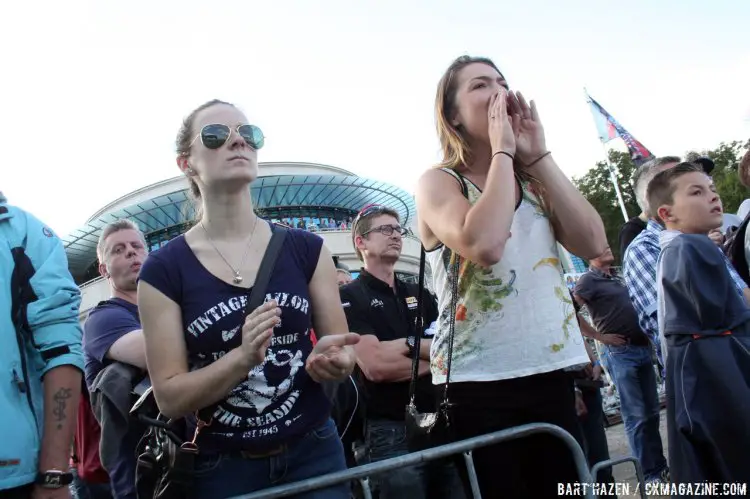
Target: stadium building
(319, 198)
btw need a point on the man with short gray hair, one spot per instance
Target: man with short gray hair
(112, 333)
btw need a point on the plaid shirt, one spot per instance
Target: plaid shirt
(639, 270)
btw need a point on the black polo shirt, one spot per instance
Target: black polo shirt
(372, 307)
(609, 305)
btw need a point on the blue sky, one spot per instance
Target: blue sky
(94, 91)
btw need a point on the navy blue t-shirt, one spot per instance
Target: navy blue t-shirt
(278, 401)
(108, 322)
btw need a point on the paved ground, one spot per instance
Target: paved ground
(618, 447)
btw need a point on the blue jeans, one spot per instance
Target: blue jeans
(318, 453)
(432, 480)
(635, 380)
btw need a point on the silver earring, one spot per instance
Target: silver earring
(190, 171)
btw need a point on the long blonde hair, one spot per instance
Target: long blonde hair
(455, 147)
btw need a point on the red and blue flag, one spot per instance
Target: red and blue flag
(609, 129)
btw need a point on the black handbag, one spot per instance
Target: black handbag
(425, 430)
(165, 464)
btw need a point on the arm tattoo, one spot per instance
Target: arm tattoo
(61, 401)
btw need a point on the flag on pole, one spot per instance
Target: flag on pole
(609, 129)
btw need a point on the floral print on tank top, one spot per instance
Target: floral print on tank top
(482, 293)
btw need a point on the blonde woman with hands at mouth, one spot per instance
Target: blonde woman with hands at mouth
(498, 204)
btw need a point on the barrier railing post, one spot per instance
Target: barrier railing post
(365, 484)
(464, 447)
(472, 472)
(610, 463)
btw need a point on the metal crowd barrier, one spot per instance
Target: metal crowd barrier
(619, 460)
(361, 473)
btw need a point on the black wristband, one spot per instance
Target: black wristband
(512, 158)
(537, 160)
(54, 479)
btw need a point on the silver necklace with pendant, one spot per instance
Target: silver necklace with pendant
(237, 279)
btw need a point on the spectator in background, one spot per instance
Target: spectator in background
(688, 204)
(639, 259)
(704, 321)
(589, 404)
(41, 358)
(383, 310)
(112, 333)
(616, 322)
(638, 224)
(343, 277)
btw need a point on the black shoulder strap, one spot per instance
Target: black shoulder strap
(419, 327)
(267, 264)
(419, 330)
(258, 292)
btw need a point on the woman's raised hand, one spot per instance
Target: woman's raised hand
(527, 129)
(500, 126)
(258, 330)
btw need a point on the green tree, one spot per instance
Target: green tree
(727, 158)
(596, 186)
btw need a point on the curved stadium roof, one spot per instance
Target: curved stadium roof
(345, 191)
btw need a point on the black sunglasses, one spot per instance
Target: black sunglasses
(216, 135)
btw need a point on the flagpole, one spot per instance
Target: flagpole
(611, 169)
(613, 177)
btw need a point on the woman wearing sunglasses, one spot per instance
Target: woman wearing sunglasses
(498, 202)
(268, 419)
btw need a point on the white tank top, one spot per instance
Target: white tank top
(513, 319)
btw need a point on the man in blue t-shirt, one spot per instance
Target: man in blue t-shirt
(112, 332)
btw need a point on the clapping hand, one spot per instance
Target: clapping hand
(257, 332)
(332, 358)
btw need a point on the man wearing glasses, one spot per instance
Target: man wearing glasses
(383, 310)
